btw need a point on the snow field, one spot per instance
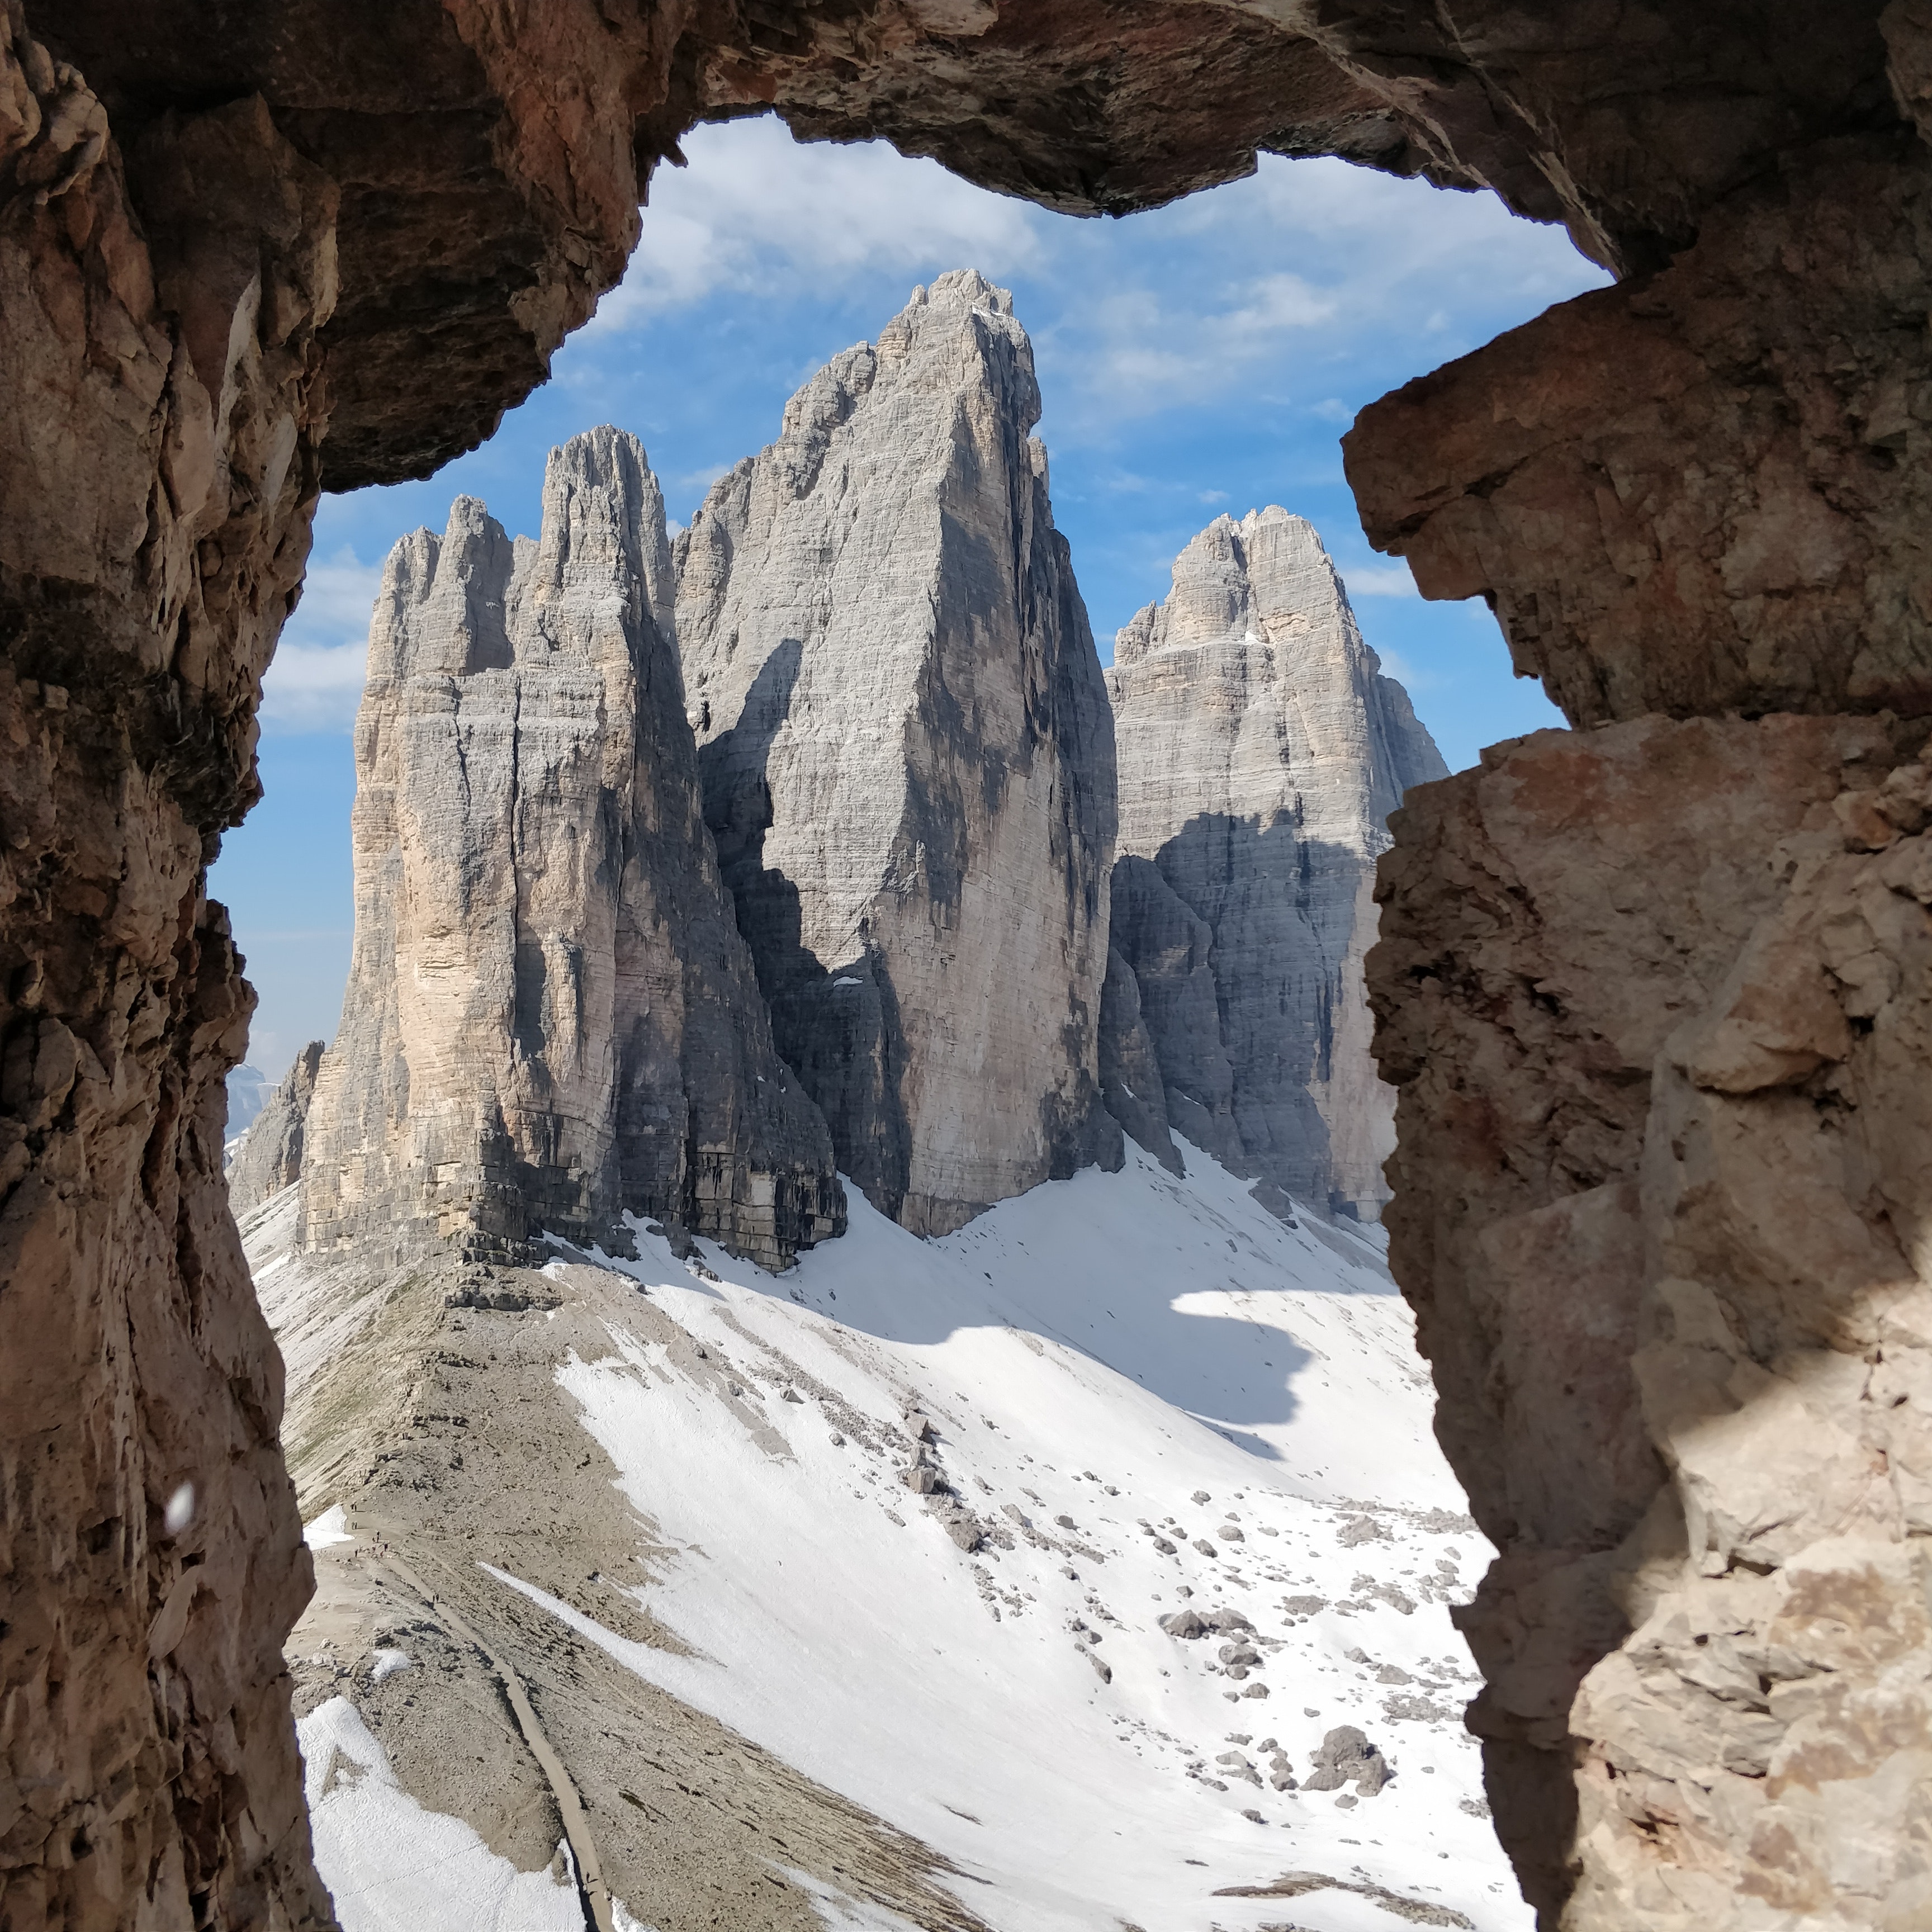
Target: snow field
(1091, 1359)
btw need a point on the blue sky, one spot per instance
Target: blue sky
(1202, 358)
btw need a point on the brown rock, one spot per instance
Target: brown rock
(156, 472)
(1660, 1172)
(1704, 489)
(1695, 494)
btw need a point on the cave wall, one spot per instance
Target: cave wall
(1654, 996)
(1652, 992)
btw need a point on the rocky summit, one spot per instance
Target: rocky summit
(908, 761)
(550, 1019)
(679, 878)
(1261, 752)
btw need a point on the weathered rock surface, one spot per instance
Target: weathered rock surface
(270, 1156)
(907, 761)
(1754, 468)
(402, 208)
(1260, 753)
(551, 1018)
(1661, 1190)
(157, 471)
(1130, 1075)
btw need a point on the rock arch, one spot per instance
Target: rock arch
(1653, 991)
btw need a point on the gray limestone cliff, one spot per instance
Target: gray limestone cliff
(908, 761)
(1260, 753)
(550, 1017)
(268, 1153)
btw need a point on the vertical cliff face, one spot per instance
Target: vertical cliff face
(1261, 752)
(550, 1017)
(907, 760)
(1654, 996)
(270, 1156)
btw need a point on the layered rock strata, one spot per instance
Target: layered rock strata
(907, 761)
(551, 1018)
(157, 469)
(270, 1156)
(1261, 751)
(1653, 996)
(1661, 1188)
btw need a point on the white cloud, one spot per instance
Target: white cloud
(759, 213)
(1380, 580)
(315, 683)
(314, 687)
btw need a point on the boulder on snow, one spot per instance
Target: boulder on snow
(1344, 1754)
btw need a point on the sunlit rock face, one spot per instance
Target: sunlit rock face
(907, 761)
(1261, 752)
(1657, 996)
(550, 1018)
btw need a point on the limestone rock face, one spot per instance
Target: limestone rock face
(550, 1017)
(1664, 1169)
(157, 470)
(907, 761)
(1130, 1078)
(270, 1156)
(1699, 494)
(1767, 434)
(1261, 752)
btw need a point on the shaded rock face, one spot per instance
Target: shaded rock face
(1130, 1076)
(1261, 752)
(907, 761)
(1663, 1170)
(1651, 996)
(270, 1156)
(550, 1018)
(1756, 472)
(157, 468)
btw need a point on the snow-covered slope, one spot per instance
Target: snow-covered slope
(1141, 1397)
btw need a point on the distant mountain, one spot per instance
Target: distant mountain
(551, 1021)
(248, 1091)
(1260, 752)
(908, 761)
(699, 1544)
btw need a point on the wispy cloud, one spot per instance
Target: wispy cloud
(315, 683)
(757, 212)
(1380, 579)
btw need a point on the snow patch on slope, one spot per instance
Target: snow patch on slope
(1137, 1395)
(390, 1866)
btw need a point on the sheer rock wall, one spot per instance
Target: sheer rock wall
(1260, 753)
(157, 467)
(550, 1018)
(220, 223)
(1655, 997)
(270, 1156)
(907, 761)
